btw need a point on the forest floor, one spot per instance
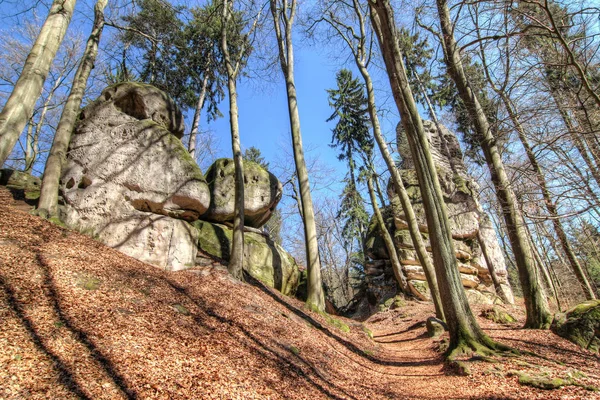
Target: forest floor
(80, 320)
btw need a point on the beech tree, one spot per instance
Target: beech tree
(283, 13)
(538, 313)
(235, 52)
(19, 106)
(355, 34)
(465, 333)
(48, 201)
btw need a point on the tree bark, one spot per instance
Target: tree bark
(281, 19)
(465, 333)
(27, 90)
(236, 261)
(538, 313)
(48, 202)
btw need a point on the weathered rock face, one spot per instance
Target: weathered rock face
(468, 224)
(262, 192)
(264, 259)
(130, 182)
(580, 325)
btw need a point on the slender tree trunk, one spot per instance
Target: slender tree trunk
(236, 261)
(196, 122)
(389, 243)
(27, 90)
(538, 314)
(550, 206)
(411, 219)
(465, 333)
(48, 202)
(283, 18)
(492, 269)
(379, 191)
(544, 268)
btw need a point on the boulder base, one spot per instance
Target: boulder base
(264, 259)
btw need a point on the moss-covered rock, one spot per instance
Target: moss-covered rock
(498, 315)
(23, 186)
(580, 325)
(264, 259)
(262, 192)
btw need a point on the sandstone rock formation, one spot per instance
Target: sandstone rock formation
(264, 259)
(468, 223)
(129, 180)
(262, 192)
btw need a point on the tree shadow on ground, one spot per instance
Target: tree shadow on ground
(67, 376)
(347, 344)
(268, 351)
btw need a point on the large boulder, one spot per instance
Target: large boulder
(580, 325)
(130, 182)
(262, 192)
(264, 259)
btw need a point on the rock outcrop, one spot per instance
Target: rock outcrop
(130, 182)
(264, 259)
(21, 184)
(469, 225)
(262, 192)
(580, 325)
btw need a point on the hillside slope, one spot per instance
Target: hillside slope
(80, 320)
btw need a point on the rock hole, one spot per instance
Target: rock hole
(84, 182)
(70, 183)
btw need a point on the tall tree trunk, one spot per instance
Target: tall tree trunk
(196, 122)
(389, 243)
(29, 152)
(48, 202)
(283, 18)
(236, 261)
(465, 333)
(411, 219)
(27, 90)
(357, 43)
(538, 313)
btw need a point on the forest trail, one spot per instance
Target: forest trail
(80, 320)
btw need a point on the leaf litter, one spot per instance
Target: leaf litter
(81, 320)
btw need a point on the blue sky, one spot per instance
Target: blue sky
(263, 115)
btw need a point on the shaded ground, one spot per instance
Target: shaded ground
(79, 320)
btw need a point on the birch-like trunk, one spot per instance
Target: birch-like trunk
(27, 90)
(48, 202)
(389, 243)
(196, 123)
(236, 261)
(284, 18)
